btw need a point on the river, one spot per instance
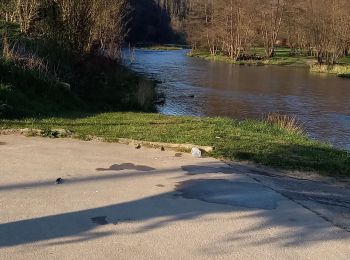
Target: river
(197, 87)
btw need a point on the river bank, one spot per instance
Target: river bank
(261, 142)
(40, 76)
(281, 58)
(35, 94)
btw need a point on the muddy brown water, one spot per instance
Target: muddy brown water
(200, 88)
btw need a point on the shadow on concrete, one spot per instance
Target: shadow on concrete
(126, 166)
(93, 178)
(195, 169)
(173, 209)
(2, 143)
(188, 202)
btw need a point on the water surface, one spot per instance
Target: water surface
(321, 102)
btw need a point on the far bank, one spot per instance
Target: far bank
(282, 57)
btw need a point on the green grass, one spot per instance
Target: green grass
(344, 60)
(256, 141)
(340, 70)
(282, 58)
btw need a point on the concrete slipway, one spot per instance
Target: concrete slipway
(118, 202)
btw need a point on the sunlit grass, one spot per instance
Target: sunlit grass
(341, 70)
(258, 141)
(282, 57)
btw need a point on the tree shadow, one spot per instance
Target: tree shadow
(87, 179)
(192, 199)
(169, 209)
(198, 169)
(126, 166)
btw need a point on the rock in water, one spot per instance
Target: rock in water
(196, 152)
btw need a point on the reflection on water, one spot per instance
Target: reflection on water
(321, 103)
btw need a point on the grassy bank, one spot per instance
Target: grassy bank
(162, 48)
(40, 80)
(282, 58)
(337, 70)
(40, 77)
(257, 141)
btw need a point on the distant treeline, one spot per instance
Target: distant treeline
(231, 27)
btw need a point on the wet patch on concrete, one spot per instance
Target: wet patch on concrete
(100, 220)
(126, 166)
(195, 169)
(239, 194)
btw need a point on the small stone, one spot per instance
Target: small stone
(60, 133)
(59, 181)
(196, 152)
(138, 146)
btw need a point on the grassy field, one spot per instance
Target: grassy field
(282, 58)
(257, 141)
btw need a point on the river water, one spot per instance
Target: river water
(200, 88)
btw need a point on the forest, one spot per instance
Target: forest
(233, 27)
